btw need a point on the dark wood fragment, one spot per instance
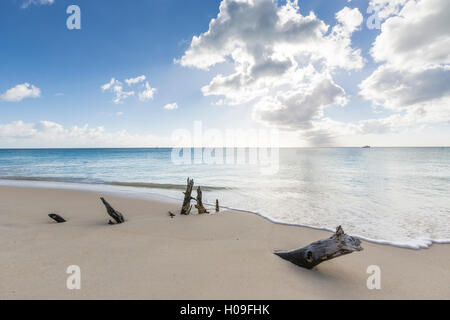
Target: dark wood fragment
(200, 207)
(116, 215)
(57, 217)
(186, 208)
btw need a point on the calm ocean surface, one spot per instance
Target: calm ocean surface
(394, 195)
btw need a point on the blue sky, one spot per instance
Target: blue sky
(127, 39)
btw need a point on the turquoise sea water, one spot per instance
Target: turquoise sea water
(393, 195)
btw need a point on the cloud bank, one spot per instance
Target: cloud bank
(51, 134)
(282, 61)
(283, 64)
(414, 49)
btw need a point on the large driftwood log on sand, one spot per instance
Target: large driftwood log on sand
(201, 209)
(186, 208)
(57, 217)
(310, 256)
(116, 215)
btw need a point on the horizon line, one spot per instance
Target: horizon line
(216, 147)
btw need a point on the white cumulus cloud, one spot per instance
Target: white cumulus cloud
(27, 3)
(116, 87)
(296, 109)
(257, 34)
(171, 106)
(418, 35)
(387, 8)
(20, 92)
(350, 19)
(145, 92)
(132, 81)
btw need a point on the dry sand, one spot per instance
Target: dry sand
(221, 256)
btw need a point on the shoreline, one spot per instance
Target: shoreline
(219, 256)
(136, 191)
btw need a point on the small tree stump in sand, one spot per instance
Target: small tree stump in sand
(308, 257)
(116, 215)
(217, 205)
(57, 217)
(186, 208)
(201, 209)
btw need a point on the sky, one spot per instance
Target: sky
(134, 73)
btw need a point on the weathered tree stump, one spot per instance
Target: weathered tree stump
(57, 217)
(337, 245)
(217, 205)
(116, 215)
(200, 207)
(186, 208)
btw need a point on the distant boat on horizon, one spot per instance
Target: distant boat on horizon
(366, 147)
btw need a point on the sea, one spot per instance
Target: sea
(395, 196)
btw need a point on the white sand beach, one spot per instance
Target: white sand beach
(220, 256)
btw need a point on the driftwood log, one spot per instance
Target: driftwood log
(186, 208)
(116, 215)
(217, 205)
(337, 245)
(57, 217)
(200, 207)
